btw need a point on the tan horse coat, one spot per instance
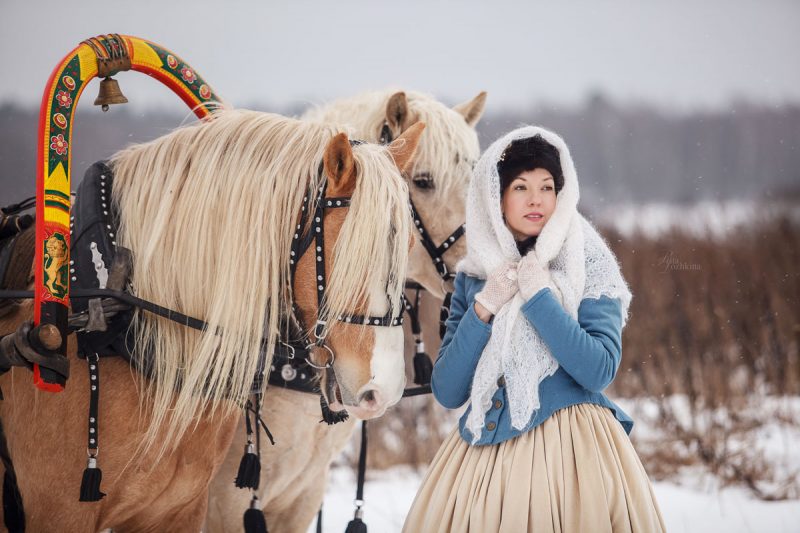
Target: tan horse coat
(172, 490)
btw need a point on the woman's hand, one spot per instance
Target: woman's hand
(482, 312)
(501, 286)
(532, 276)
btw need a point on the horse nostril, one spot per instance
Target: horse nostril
(370, 399)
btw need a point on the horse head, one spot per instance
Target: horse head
(362, 359)
(438, 177)
(437, 180)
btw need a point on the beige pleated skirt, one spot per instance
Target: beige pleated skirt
(577, 472)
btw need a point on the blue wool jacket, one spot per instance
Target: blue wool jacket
(588, 352)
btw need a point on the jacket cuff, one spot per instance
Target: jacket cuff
(474, 321)
(542, 293)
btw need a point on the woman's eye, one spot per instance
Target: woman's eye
(423, 180)
(548, 187)
(519, 188)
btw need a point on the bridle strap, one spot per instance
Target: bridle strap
(301, 244)
(436, 253)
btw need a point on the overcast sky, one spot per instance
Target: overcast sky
(677, 54)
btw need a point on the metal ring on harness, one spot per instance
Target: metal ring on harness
(291, 349)
(311, 363)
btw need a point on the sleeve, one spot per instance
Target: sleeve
(589, 349)
(465, 337)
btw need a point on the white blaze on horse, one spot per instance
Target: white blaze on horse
(295, 470)
(209, 213)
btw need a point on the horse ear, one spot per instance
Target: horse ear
(403, 148)
(472, 110)
(340, 166)
(397, 111)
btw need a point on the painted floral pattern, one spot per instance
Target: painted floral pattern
(58, 144)
(64, 99)
(188, 75)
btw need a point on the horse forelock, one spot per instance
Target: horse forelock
(208, 212)
(371, 252)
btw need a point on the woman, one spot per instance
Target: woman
(533, 338)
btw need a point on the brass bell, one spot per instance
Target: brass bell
(110, 93)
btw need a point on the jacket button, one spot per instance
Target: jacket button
(501, 381)
(498, 404)
(490, 426)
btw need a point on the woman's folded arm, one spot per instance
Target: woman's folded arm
(465, 337)
(588, 349)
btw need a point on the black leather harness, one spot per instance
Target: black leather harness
(291, 366)
(94, 227)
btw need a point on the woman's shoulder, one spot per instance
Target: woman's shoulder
(466, 286)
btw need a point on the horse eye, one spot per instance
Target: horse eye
(423, 180)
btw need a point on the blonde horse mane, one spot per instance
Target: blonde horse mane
(209, 212)
(448, 147)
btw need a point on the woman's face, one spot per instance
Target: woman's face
(528, 202)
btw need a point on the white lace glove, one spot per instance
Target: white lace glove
(532, 276)
(501, 286)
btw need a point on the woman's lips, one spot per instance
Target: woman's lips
(534, 216)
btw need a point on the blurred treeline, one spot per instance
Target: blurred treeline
(624, 153)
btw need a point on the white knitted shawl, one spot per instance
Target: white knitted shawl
(581, 266)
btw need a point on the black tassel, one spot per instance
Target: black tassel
(90, 485)
(331, 417)
(423, 368)
(249, 474)
(356, 525)
(254, 520)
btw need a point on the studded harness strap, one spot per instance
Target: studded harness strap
(435, 252)
(292, 356)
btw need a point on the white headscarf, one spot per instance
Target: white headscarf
(581, 266)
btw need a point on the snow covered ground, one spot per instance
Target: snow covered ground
(388, 495)
(712, 219)
(694, 503)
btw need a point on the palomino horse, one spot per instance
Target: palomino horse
(207, 212)
(295, 470)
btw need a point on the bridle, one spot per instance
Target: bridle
(290, 366)
(435, 252)
(301, 244)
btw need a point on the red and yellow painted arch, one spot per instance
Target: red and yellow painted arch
(97, 56)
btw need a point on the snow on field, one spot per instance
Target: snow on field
(388, 495)
(693, 504)
(703, 219)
